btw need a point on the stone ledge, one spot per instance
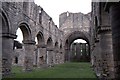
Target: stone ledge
(29, 42)
(50, 49)
(8, 35)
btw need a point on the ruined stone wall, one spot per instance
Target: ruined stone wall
(101, 42)
(74, 21)
(74, 26)
(32, 20)
(20, 54)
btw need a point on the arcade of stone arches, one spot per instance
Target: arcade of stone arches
(55, 45)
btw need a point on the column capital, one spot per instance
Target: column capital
(29, 42)
(8, 35)
(41, 45)
(50, 49)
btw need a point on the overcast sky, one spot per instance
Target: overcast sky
(55, 7)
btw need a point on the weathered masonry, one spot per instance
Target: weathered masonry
(105, 39)
(52, 42)
(74, 26)
(33, 22)
(100, 29)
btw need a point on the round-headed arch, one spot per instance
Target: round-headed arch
(49, 43)
(26, 31)
(73, 36)
(56, 45)
(5, 22)
(60, 46)
(40, 38)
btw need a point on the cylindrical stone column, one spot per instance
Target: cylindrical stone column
(50, 57)
(35, 57)
(7, 53)
(55, 56)
(41, 55)
(78, 51)
(72, 51)
(67, 51)
(83, 51)
(107, 53)
(29, 46)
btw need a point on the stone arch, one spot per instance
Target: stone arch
(71, 37)
(50, 52)
(60, 46)
(7, 43)
(28, 45)
(26, 31)
(56, 45)
(5, 23)
(49, 43)
(40, 38)
(40, 50)
(16, 60)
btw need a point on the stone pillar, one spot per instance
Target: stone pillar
(29, 46)
(115, 24)
(35, 57)
(88, 52)
(67, 53)
(78, 51)
(7, 52)
(41, 55)
(73, 51)
(50, 57)
(61, 57)
(84, 51)
(97, 59)
(55, 56)
(107, 53)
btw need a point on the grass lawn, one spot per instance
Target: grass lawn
(67, 70)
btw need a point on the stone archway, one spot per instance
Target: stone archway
(7, 40)
(28, 46)
(50, 52)
(70, 38)
(40, 50)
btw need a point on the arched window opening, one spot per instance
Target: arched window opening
(79, 51)
(16, 60)
(19, 35)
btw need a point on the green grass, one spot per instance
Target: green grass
(67, 70)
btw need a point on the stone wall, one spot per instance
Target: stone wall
(101, 41)
(74, 26)
(33, 21)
